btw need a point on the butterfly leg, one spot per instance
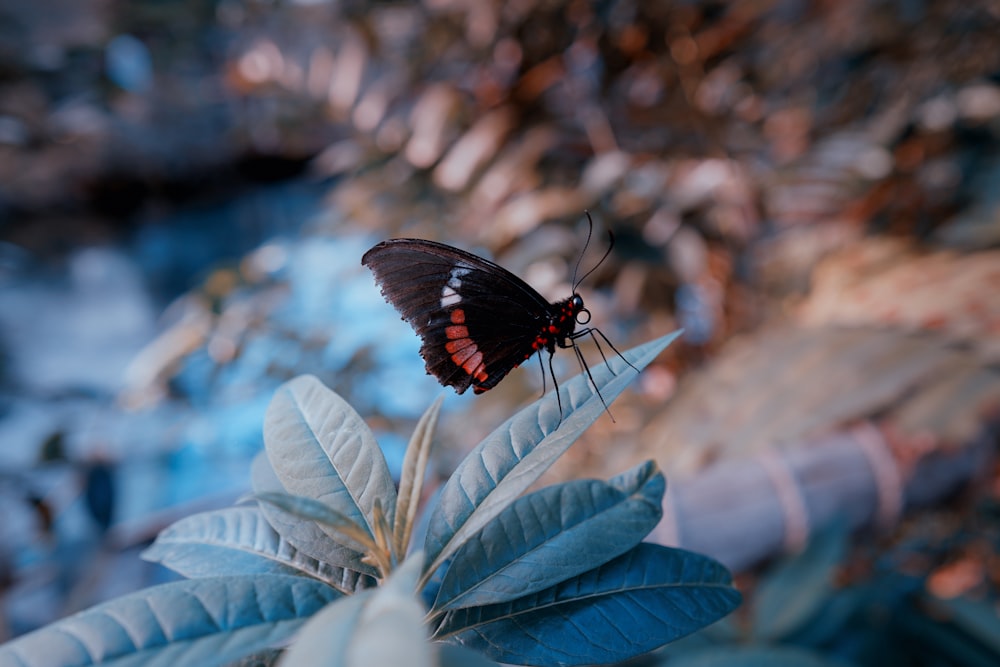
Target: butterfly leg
(541, 367)
(586, 369)
(594, 332)
(555, 382)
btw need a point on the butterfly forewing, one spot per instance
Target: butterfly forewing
(477, 320)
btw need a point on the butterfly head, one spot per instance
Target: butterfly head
(566, 316)
(580, 314)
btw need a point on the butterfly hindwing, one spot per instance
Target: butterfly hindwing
(477, 320)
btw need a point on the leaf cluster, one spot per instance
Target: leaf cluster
(327, 557)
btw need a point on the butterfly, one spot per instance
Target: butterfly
(477, 320)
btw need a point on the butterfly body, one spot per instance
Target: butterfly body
(477, 320)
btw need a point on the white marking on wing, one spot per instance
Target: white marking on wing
(449, 297)
(455, 280)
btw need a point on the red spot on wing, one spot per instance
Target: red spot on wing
(456, 332)
(454, 346)
(463, 355)
(463, 350)
(474, 365)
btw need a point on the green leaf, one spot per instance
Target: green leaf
(394, 612)
(306, 536)
(799, 587)
(551, 535)
(320, 448)
(411, 482)
(204, 622)
(237, 540)
(383, 626)
(383, 534)
(514, 456)
(640, 601)
(339, 527)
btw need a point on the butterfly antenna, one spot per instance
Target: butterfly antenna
(611, 245)
(579, 259)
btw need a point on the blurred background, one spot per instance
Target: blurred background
(810, 189)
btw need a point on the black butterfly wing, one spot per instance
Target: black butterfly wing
(477, 320)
